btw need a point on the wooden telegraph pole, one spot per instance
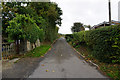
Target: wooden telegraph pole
(109, 12)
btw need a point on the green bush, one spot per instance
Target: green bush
(24, 27)
(41, 35)
(104, 42)
(69, 37)
(79, 36)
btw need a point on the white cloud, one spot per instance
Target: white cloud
(86, 11)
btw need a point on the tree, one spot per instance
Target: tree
(30, 21)
(23, 27)
(45, 14)
(87, 26)
(51, 13)
(77, 27)
(8, 13)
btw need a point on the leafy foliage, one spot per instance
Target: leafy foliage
(79, 36)
(77, 27)
(46, 16)
(69, 37)
(23, 27)
(104, 42)
(87, 26)
(8, 13)
(15, 29)
(41, 35)
(30, 21)
(51, 14)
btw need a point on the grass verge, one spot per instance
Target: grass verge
(111, 70)
(38, 52)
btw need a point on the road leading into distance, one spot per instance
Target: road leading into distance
(62, 62)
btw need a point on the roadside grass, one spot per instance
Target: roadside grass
(38, 52)
(111, 70)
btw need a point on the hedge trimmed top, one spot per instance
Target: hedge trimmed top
(104, 42)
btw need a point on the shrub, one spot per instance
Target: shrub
(104, 42)
(41, 35)
(79, 36)
(69, 37)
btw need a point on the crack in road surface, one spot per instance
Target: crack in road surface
(62, 62)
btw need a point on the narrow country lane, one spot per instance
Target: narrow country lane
(62, 62)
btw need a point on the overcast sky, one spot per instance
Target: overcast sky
(89, 12)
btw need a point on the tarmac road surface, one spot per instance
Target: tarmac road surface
(62, 62)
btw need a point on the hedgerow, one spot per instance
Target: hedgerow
(79, 36)
(69, 37)
(104, 43)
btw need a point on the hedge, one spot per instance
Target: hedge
(104, 42)
(79, 36)
(69, 37)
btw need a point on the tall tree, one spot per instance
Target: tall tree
(23, 27)
(46, 15)
(51, 13)
(30, 20)
(8, 13)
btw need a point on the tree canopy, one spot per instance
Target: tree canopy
(77, 27)
(45, 16)
(30, 21)
(24, 27)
